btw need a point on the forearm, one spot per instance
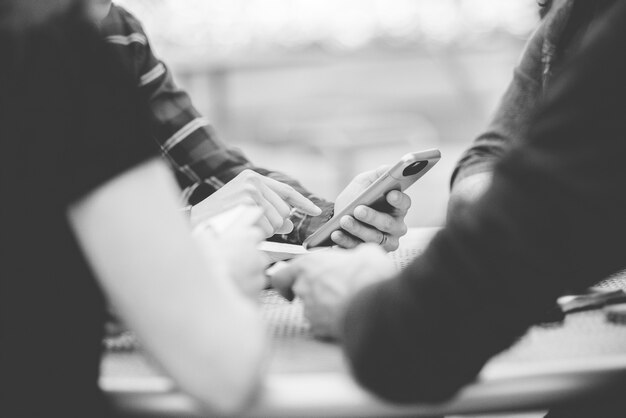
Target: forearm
(157, 280)
(515, 109)
(487, 277)
(509, 123)
(550, 221)
(201, 161)
(463, 301)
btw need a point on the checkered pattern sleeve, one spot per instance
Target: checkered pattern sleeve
(201, 161)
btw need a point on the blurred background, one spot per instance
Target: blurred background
(325, 89)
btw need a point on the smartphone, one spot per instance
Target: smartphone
(399, 177)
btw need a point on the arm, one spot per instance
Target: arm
(472, 175)
(552, 219)
(202, 162)
(157, 280)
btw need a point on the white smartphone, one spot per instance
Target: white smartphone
(399, 177)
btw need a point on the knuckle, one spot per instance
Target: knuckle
(407, 201)
(249, 188)
(388, 223)
(248, 173)
(299, 288)
(367, 214)
(252, 191)
(288, 189)
(347, 242)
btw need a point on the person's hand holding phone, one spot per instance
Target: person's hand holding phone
(371, 224)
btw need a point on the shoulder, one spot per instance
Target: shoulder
(120, 22)
(128, 41)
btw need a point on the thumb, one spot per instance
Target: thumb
(369, 177)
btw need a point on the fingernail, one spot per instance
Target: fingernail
(345, 222)
(360, 212)
(393, 197)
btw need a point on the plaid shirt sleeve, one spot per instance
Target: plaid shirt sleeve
(201, 161)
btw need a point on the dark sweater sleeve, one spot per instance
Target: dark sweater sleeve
(553, 219)
(512, 114)
(518, 104)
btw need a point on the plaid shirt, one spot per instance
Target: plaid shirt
(201, 161)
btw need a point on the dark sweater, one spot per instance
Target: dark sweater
(553, 218)
(558, 36)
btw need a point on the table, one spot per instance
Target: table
(551, 364)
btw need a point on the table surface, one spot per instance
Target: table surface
(552, 363)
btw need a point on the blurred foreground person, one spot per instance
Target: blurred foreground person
(83, 192)
(552, 218)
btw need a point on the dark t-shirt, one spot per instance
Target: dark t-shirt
(69, 121)
(553, 219)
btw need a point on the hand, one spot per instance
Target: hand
(326, 280)
(367, 224)
(235, 255)
(275, 198)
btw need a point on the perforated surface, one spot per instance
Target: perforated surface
(285, 320)
(583, 335)
(614, 282)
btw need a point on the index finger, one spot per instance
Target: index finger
(293, 197)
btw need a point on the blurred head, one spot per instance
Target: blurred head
(17, 15)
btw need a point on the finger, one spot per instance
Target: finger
(293, 197)
(254, 284)
(360, 231)
(300, 288)
(249, 235)
(256, 234)
(400, 201)
(381, 221)
(282, 208)
(391, 243)
(256, 199)
(381, 169)
(286, 227)
(344, 240)
(282, 277)
(247, 225)
(265, 226)
(368, 177)
(269, 210)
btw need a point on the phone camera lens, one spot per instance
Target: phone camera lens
(414, 168)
